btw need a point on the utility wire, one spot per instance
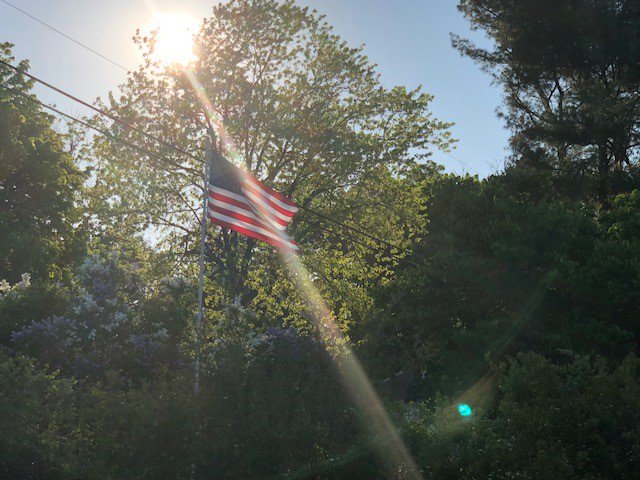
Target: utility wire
(113, 62)
(92, 127)
(77, 42)
(462, 163)
(148, 152)
(342, 236)
(102, 112)
(358, 230)
(169, 145)
(113, 138)
(363, 244)
(159, 157)
(318, 214)
(104, 57)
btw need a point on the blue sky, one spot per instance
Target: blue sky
(408, 40)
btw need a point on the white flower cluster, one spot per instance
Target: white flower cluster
(176, 282)
(6, 288)
(162, 334)
(93, 265)
(86, 302)
(254, 340)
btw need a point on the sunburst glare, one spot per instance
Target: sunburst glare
(174, 38)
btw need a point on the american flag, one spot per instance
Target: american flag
(242, 203)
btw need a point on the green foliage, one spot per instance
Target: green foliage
(39, 183)
(254, 417)
(259, 419)
(35, 416)
(144, 432)
(576, 420)
(502, 272)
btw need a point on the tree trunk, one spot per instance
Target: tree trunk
(603, 176)
(620, 151)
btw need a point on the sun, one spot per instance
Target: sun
(174, 38)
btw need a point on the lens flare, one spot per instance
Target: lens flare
(464, 410)
(391, 450)
(213, 117)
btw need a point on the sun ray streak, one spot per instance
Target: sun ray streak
(214, 119)
(390, 448)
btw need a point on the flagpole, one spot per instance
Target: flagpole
(203, 238)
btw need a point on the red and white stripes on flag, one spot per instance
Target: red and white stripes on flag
(242, 203)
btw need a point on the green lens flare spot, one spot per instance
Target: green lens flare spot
(464, 410)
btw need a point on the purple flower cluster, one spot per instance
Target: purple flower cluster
(101, 329)
(144, 343)
(148, 343)
(102, 289)
(59, 329)
(292, 340)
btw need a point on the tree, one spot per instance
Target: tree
(298, 107)
(498, 271)
(39, 184)
(571, 77)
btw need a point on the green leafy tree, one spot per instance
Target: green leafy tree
(39, 185)
(300, 108)
(500, 271)
(36, 421)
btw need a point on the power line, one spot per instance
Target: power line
(92, 127)
(113, 138)
(357, 230)
(349, 239)
(102, 112)
(159, 157)
(363, 244)
(384, 242)
(105, 114)
(86, 47)
(171, 146)
(462, 163)
(77, 42)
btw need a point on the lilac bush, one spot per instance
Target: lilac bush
(106, 326)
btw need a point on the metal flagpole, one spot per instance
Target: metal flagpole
(203, 238)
